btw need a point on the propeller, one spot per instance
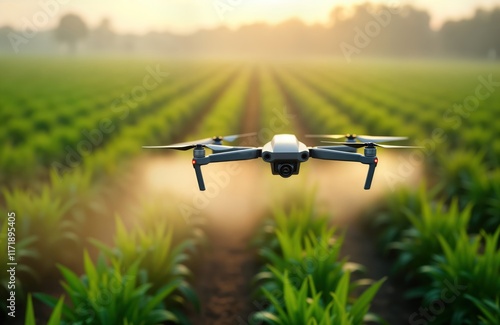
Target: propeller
(231, 138)
(330, 136)
(220, 148)
(373, 139)
(362, 138)
(217, 140)
(371, 145)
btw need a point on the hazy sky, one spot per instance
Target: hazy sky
(139, 16)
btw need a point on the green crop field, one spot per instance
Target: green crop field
(71, 135)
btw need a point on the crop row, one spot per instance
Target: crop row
(448, 239)
(365, 100)
(55, 218)
(168, 123)
(274, 114)
(87, 132)
(315, 111)
(466, 175)
(226, 115)
(305, 280)
(143, 123)
(355, 106)
(398, 97)
(142, 278)
(447, 263)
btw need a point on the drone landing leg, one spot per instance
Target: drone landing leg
(199, 176)
(369, 177)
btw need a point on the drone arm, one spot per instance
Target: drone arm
(242, 154)
(328, 154)
(220, 149)
(338, 148)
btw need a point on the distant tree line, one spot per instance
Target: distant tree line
(363, 30)
(475, 36)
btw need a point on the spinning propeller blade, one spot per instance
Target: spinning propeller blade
(216, 148)
(371, 144)
(370, 138)
(362, 138)
(327, 136)
(179, 146)
(204, 142)
(388, 146)
(231, 138)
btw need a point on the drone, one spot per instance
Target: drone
(285, 152)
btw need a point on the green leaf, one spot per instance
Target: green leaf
(161, 295)
(89, 268)
(362, 304)
(190, 295)
(55, 317)
(72, 280)
(30, 314)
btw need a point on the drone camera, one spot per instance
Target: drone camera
(285, 168)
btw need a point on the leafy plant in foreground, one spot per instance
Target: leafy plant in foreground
(151, 212)
(315, 256)
(161, 260)
(490, 310)
(112, 294)
(421, 241)
(42, 216)
(304, 305)
(391, 220)
(55, 317)
(467, 177)
(473, 266)
(302, 217)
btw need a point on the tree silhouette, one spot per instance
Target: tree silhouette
(71, 29)
(473, 37)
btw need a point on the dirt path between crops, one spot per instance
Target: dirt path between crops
(229, 264)
(231, 207)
